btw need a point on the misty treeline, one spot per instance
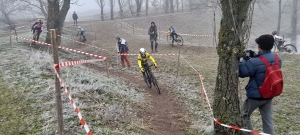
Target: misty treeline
(145, 7)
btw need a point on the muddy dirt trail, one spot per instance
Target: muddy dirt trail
(164, 115)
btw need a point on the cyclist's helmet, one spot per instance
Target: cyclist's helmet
(143, 52)
(41, 21)
(274, 33)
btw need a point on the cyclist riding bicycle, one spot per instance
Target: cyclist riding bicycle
(81, 33)
(143, 58)
(278, 39)
(39, 27)
(172, 32)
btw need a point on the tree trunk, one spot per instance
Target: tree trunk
(112, 9)
(102, 8)
(294, 20)
(226, 107)
(166, 6)
(138, 7)
(190, 5)
(181, 5)
(279, 18)
(171, 6)
(177, 5)
(56, 17)
(147, 6)
(121, 8)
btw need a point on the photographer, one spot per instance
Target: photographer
(253, 67)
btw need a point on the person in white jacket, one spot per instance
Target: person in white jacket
(122, 49)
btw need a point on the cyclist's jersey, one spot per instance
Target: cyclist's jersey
(142, 60)
(37, 26)
(81, 32)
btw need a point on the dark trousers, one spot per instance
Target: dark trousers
(75, 22)
(38, 34)
(174, 34)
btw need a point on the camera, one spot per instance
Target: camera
(248, 54)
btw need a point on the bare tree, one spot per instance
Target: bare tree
(131, 7)
(147, 6)
(294, 20)
(177, 5)
(38, 6)
(56, 16)
(112, 4)
(166, 6)
(233, 35)
(121, 4)
(190, 5)
(101, 4)
(171, 6)
(138, 6)
(9, 8)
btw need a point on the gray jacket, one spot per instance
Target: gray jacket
(153, 33)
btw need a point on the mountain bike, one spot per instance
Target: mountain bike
(34, 37)
(179, 40)
(82, 38)
(279, 46)
(150, 78)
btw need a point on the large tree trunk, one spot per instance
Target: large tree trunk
(147, 6)
(56, 17)
(112, 4)
(294, 20)
(166, 6)
(102, 8)
(138, 7)
(121, 3)
(226, 107)
(171, 6)
(279, 18)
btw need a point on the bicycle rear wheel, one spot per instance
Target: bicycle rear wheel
(147, 79)
(154, 81)
(180, 40)
(290, 48)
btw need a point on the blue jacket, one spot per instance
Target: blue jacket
(256, 70)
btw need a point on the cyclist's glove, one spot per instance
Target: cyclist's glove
(155, 65)
(143, 70)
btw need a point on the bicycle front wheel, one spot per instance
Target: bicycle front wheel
(169, 39)
(290, 48)
(180, 40)
(147, 79)
(154, 81)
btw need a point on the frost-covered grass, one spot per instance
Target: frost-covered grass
(108, 105)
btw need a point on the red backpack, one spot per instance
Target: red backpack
(273, 82)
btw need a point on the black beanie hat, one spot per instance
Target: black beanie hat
(265, 42)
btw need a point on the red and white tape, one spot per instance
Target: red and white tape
(211, 110)
(73, 103)
(152, 54)
(64, 48)
(71, 63)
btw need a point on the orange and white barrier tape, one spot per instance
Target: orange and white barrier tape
(64, 48)
(72, 63)
(73, 102)
(211, 110)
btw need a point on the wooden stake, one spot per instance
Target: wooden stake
(202, 95)
(10, 34)
(133, 29)
(107, 70)
(16, 32)
(57, 83)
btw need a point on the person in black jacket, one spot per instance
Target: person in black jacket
(75, 17)
(153, 35)
(39, 27)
